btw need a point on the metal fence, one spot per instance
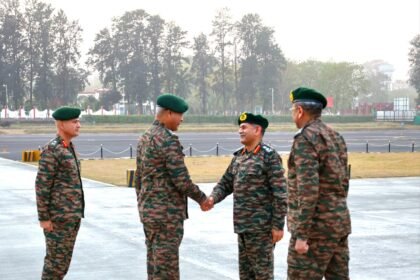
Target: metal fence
(219, 150)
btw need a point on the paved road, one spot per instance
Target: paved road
(118, 145)
(385, 243)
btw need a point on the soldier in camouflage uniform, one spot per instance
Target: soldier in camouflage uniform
(256, 178)
(318, 182)
(162, 186)
(59, 194)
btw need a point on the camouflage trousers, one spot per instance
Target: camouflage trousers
(256, 256)
(327, 258)
(162, 244)
(60, 244)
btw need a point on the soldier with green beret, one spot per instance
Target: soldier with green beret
(255, 176)
(172, 102)
(59, 194)
(308, 96)
(318, 183)
(163, 184)
(66, 113)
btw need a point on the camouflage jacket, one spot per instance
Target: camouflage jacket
(318, 184)
(162, 180)
(257, 182)
(59, 191)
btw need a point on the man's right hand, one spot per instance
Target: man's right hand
(47, 225)
(207, 204)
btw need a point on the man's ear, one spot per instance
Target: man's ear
(259, 129)
(300, 111)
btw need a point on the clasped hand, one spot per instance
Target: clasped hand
(207, 204)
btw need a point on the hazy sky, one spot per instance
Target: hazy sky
(327, 30)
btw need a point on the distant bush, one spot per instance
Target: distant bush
(117, 119)
(5, 123)
(217, 119)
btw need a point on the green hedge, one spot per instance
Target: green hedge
(117, 119)
(218, 119)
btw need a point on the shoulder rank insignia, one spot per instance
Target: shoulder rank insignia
(268, 149)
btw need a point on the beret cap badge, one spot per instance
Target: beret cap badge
(247, 117)
(291, 96)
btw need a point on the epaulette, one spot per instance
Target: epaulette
(54, 143)
(267, 148)
(299, 132)
(238, 151)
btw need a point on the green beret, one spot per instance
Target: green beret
(306, 95)
(172, 102)
(66, 113)
(254, 119)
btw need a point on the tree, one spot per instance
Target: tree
(69, 78)
(13, 53)
(343, 81)
(175, 42)
(271, 64)
(247, 29)
(222, 29)
(131, 38)
(43, 49)
(32, 29)
(89, 102)
(201, 68)
(155, 49)
(414, 59)
(40, 52)
(108, 99)
(262, 64)
(103, 58)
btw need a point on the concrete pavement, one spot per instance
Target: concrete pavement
(385, 243)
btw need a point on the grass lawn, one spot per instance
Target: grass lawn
(210, 169)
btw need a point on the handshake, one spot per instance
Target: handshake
(207, 204)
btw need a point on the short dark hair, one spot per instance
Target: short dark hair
(313, 109)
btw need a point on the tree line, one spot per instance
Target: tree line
(238, 66)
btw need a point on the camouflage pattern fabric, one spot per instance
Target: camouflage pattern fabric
(60, 199)
(59, 191)
(257, 182)
(162, 184)
(60, 244)
(256, 255)
(162, 251)
(318, 185)
(326, 257)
